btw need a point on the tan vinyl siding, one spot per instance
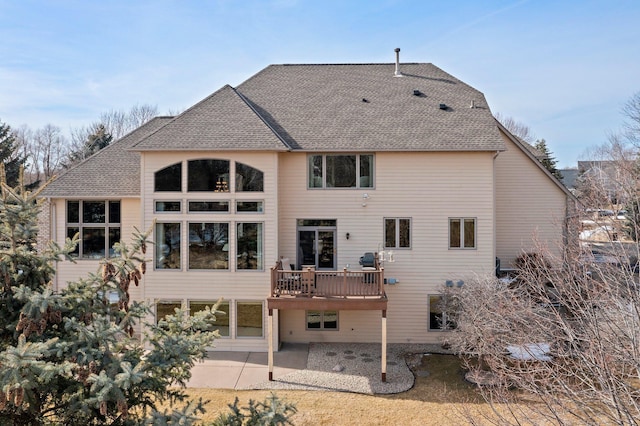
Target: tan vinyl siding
(429, 188)
(529, 205)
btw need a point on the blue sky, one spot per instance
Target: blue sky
(564, 68)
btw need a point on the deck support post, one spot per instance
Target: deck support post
(384, 345)
(270, 338)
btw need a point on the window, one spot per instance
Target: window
(249, 206)
(340, 171)
(169, 179)
(397, 233)
(249, 246)
(168, 206)
(322, 320)
(98, 223)
(166, 307)
(222, 320)
(208, 176)
(248, 179)
(249, 319)
(167, 250)
(208, 206)
(462, 233)
(208, 245)
(438, 318)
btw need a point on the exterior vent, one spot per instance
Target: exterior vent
(416, 92)
(443, 106)
(397, 73)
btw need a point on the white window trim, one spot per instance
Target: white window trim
(322, 327)
(324, 172)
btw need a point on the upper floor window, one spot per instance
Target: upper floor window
(340, 171)
(248, 179)
(208, 175)
(397, 233)
(169, 179)
(462, 233)
(98, 223)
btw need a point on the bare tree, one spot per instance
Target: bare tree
(516, 128)
(45, 150)
(563, 333)
(564, 338)
(116, 122)
(631, 112)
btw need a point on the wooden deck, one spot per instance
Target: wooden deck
(310, 289)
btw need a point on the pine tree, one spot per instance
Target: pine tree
(99, 139)
(8, 154)
(69, 357)
(547, 160)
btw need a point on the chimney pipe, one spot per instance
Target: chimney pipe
(397, 73)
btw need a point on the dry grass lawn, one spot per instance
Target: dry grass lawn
(440, 398)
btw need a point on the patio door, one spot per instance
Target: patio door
(317, 244)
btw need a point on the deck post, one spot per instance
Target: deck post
(270, 338)
(344, 282)
(384, 345)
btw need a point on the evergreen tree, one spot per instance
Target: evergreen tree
(69, 357)
(99, 139)
(9, 155)
(548, 161)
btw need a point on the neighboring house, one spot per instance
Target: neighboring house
(316, 164)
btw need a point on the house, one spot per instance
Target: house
(311, 167)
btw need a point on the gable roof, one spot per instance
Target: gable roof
(222, 121)
(364, 107)
(111, 172)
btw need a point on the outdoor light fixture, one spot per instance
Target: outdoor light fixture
(365, 197)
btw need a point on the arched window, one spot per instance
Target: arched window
(208, 176)
(248, 179)
(169, 178)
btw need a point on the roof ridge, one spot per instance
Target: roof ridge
(266, 123)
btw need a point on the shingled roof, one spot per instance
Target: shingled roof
(223, 121)
(364, 107)
(111, 172)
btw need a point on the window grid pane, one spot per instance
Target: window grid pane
(341, 171)
(248, 179)
(405, 232)
(208, 175)
(390, 233)
(469, 233)
(222, 320)
(366, 171)
(249, 246)
(167, 250)
(93, 212)
(168, 179)
(249, 319)
(208, 246)
(454, 233)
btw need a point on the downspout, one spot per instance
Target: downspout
(52, 237)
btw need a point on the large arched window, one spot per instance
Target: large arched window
(248, 179)
(208, 176)
(169, 178)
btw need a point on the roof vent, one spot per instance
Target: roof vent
(365, 100)
(416, 92)
(397, 73)
(473, 104)
(443, 106)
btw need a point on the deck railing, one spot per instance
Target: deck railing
(312, 283)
